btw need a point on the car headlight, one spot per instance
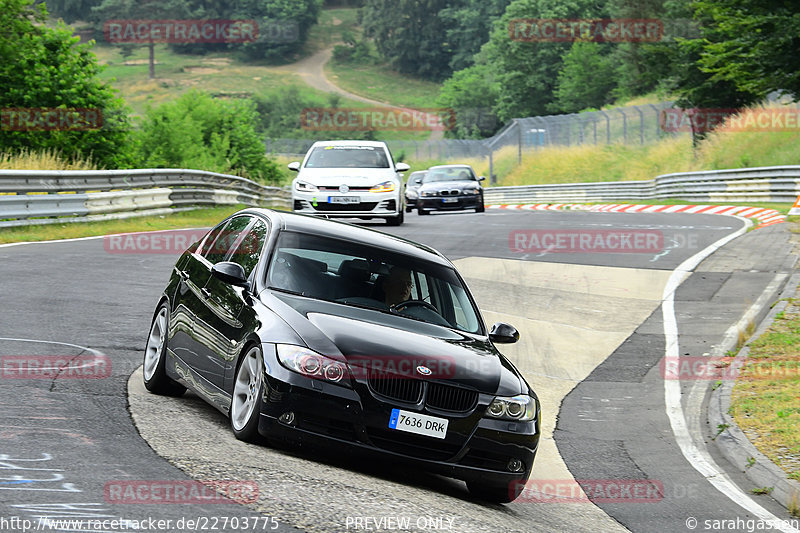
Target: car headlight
(521, 408)
(471, 192)
(311, 364)
(386, 186)
(303, 186)
(428, 193)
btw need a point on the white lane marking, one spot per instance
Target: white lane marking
(699, 458)
(84, 348)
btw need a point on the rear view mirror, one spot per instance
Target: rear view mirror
(402, 167)
(294, 165)
(503, 333)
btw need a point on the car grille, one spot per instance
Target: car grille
(395, 388)
(438, 395)
(447, 398)
(349, 188)
(363, 206)
(451, 192)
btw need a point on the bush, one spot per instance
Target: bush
(199, 132)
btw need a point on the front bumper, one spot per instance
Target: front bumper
(439, 203)
(325, 203)
(355, 420)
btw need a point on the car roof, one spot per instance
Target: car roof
(340, 230)
(377, 144)
(450, 166)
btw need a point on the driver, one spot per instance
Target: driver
(397, 286)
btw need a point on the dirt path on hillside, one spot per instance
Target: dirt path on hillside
(312, 72)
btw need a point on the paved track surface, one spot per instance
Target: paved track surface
(612, 425)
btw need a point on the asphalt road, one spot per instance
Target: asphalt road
(64, 442)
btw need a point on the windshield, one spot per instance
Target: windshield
(449, 174)
(347, 157)
(365, 276)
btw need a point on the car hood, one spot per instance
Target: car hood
(359, 177)
(374, 341)
(455, 184)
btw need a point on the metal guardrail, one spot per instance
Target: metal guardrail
(42, 196)
(762, 184)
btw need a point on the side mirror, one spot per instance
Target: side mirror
(294, 165)
(402, 167)
(481, 178)
(503, 333)
(230, 273)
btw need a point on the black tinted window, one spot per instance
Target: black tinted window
(222, 241)
(248, 249)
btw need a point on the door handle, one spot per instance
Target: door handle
(205, 292)
(183, 275)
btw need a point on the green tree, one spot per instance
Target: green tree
(409, 35)
(468, 25)
(586, 79)
(140, 10)
(283, 26)
(46, 67)
(526, 72)
(72, 10)
(753, 44)
(471, 93)
(200, 132)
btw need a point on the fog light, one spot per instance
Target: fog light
(287, 418)
(515, 465)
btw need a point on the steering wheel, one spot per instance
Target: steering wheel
(408, 303)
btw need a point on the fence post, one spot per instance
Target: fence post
(519, 141)
(624, 126)
(608, 126)
(641, 124)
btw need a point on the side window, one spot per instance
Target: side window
(217, 248)
(248, 249)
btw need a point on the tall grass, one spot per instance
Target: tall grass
(619, 162)
(43, 160)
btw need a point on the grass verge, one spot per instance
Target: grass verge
(197, 218)
(764, 402)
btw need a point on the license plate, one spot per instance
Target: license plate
(420, 424)
(449, 200)
(343, 199)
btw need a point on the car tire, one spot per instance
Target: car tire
(504, 493)
(421, 211)
(396, 221)
(409, 209)
(248, 388)
(155, 357)
(481, 207)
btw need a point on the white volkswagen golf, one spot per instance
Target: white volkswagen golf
(349, 179)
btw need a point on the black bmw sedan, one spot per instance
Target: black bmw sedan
(308, 330)
(449, 188)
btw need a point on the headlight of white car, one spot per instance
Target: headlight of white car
(427, 193)
(521, 408)
(411, 193)
(304, 186)
(471, 192)
(386, 186)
